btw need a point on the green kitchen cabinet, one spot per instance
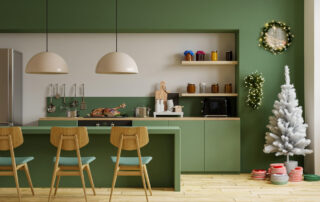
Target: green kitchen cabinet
(222, 146)
(57, 123)
(192, 145)
(150, 123)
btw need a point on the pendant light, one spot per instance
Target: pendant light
(47, 62)
(116, 62)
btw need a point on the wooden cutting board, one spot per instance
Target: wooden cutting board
(162, 94)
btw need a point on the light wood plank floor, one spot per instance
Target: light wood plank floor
(195, 188)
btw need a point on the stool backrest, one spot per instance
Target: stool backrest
(69, 144)
(14, 133)
(128, 136)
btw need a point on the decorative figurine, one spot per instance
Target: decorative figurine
(188, 55)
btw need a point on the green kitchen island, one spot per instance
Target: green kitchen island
(164, 169)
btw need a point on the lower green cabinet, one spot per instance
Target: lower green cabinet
(192, 145)
(222, 146)
(150, 123)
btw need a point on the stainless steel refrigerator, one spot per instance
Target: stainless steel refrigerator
(10, 87)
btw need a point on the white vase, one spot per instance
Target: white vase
(291, 165)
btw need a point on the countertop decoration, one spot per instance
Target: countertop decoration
(276, 37)
(255, 83)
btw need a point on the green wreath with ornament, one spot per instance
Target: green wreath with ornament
(270, 37)
(254, 82)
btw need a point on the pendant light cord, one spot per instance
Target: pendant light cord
(116, 25)
(47, 6)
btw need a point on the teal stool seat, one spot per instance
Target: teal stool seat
(131, 161)
(73, 161)
(6, 161)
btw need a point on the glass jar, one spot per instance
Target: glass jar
(191, 88)
(215, 88)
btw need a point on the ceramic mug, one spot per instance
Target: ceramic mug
(170, 105)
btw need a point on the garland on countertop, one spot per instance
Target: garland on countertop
(284, 27)
(254, 82)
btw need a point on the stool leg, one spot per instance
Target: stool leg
(144, 182)
(147, 177)
(26, 169)
(90, 179)
(83, 184)
(15, 174)
(52, 182)
(114, 181)
(57, 185)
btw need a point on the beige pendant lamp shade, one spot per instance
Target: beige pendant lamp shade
(47, 63)
(116, 63)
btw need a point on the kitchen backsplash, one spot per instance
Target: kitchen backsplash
(192, 106)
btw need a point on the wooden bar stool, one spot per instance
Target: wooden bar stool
(130, 138)
(70, 139)
(11, 138)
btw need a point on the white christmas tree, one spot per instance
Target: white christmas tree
(287, 130)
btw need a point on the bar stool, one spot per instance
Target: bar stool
(11, 138)
(70, 139)
(129, 139)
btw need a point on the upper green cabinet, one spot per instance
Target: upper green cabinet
(192, 145)
(222, 146)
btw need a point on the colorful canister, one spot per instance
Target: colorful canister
(214, 55)
(200, 55)
(229, 56)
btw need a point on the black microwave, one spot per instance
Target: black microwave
(218, 107)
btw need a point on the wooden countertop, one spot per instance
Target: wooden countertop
(138, 119)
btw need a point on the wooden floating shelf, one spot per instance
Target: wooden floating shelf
(208, 94)
(209, 62)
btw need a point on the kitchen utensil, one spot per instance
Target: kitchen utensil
(83, 105)
(72, 113)
(170, 105)
(74, 103)
(178, 108)
(142, 112)
(202, 87)
(51, 108)
(162, 94)
(64, 105)
(157, 106)
(161, 105)
(174, 97)
(57, 91)
(191, 88)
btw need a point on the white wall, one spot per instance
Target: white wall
(157, 55)
(312, 81)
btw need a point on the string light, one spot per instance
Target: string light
(254, 82)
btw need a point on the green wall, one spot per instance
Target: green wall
(244, 16)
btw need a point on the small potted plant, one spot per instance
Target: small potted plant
(188, 55)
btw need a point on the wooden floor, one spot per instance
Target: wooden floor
(195, 188)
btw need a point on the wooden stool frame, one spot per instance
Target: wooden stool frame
(68, 139)
(129, 140)
(13, 137)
